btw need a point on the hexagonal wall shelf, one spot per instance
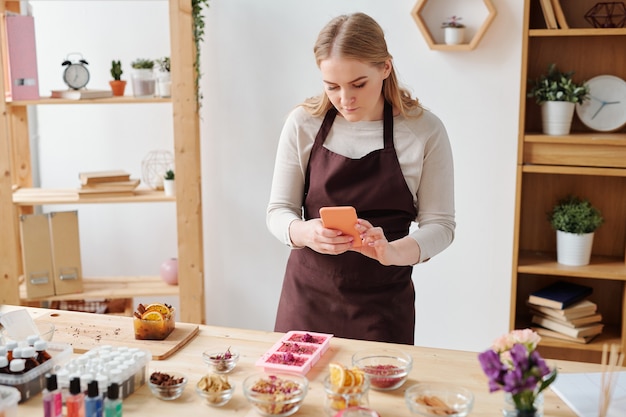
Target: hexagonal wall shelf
(417, 16)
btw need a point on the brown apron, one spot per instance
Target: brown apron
(351, 295)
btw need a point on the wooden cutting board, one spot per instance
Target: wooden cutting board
(85, 333)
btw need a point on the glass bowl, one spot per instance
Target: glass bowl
(386, 369)
(432, 399)
(275, 394)
(215, 395)
(46, 332)
(167, 386)
(221, 361)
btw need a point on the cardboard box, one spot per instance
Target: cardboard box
(51, 254)
(65, 247)
(37, 255)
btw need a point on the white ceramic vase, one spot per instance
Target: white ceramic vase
(164, 84)
(454, 36)
(573, 249)
(556, 117)
(169, 187)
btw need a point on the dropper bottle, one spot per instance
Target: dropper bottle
(42, 354)
(112, 403)
(52, 398)
(93, 402)
(10, 347)
(75, 402)
(30, 357)
(4, 365)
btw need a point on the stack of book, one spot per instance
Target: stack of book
(114, 183)
(562, 311)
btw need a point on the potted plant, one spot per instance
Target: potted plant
(557, 94)
(164, 81)
(143, 77)
(575, 221)
(453, 30)
(169, 184)
(117, 85)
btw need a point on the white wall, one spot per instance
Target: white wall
(257, 64)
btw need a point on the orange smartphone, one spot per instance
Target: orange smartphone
(341, 218)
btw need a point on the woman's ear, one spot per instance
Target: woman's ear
(387, 68)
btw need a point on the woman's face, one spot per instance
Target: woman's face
(355, 87)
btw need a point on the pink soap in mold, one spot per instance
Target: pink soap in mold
(298, 348)
(296, 351)
(307, 337)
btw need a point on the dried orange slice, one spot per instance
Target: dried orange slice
(152, 316)
(161, 308)
(350, 379)
(337, 374)
(359, 377)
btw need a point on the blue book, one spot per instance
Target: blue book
(559, 295)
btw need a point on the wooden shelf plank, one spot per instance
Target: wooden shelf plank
(600, 267)
(577, 32)
(113, 287)
(108, 100)
(573, 170)
(38, 196)
(587, 138)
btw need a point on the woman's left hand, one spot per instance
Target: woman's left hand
(375, 245)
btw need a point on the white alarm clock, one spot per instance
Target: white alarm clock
(76, 74)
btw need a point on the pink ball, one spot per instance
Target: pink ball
(169, 271)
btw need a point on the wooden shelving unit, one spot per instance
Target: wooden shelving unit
(17, 195)
(586, 163)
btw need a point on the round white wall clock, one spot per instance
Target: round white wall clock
(605, 109)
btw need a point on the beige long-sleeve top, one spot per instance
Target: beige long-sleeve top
(425, 157)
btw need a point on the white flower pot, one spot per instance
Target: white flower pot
(169, 187)
(164, 84)
(573, 249)
(556, 117)
(454, 36)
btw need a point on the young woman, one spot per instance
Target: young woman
(364, 142)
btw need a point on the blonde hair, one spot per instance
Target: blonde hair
(358, 36)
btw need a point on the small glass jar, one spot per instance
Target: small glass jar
(509, 409)
(337, 400)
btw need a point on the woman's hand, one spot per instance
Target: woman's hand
(313, 234)
(403, 251)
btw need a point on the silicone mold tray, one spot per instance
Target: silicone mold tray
(297, 351)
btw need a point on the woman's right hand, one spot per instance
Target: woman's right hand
(313, 234)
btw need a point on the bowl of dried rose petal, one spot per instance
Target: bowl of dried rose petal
(215, 389)
(167, 386)
(221, 361)
(386, 369)
(275, 394)
(432, 399)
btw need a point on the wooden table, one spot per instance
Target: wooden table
(429, 364)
